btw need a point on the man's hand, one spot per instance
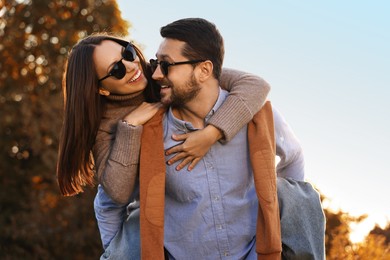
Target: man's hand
(196, 144)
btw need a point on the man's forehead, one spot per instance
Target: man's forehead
(170, 49)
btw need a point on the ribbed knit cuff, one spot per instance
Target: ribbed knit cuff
(127, 144)
(231, 117)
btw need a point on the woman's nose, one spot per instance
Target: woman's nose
(131, 65)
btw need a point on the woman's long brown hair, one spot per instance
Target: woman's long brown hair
(84, 108)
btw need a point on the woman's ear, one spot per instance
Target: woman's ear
(206, 70)
(104, 92)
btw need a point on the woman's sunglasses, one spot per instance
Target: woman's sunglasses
(119, 69)
(164, 65)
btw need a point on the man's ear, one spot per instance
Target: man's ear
(104, 92)
(206, 70)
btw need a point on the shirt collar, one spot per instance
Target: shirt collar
(221, 98)
(185, 126)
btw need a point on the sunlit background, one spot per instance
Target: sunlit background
(329, 67)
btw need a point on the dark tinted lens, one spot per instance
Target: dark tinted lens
(153, 65)
(129, 53)
(119, 70)
(164, 67)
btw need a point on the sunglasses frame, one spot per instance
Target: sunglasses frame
(164, 65)
(119, 66)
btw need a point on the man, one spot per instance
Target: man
(229, 200)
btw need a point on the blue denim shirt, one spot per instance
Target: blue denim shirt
(210, 212)
(110, 215)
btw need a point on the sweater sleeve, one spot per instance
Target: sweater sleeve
(117, 161)
(247, 95)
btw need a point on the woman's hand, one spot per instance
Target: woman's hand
(142, 114)
(196, 145)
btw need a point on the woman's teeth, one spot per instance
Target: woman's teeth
(135, 77)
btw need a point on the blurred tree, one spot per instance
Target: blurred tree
(35, 37)
(383, 232)
(373, 247)
(339, 246)
(337, 241)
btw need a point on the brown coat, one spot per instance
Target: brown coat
(152, 186)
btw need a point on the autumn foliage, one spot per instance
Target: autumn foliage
(35, 221)
(35, 37)
(338, 245)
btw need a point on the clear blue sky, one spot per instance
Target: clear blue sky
(329, 67)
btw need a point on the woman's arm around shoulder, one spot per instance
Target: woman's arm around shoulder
(247, 94)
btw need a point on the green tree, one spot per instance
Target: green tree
(35, 37)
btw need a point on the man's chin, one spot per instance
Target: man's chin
(166, 101)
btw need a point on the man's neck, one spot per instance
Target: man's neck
(196, 110)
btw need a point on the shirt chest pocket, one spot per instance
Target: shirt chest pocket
(183, 186)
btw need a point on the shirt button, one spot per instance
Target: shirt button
(226, 254)
(216, 198)
(209, 166)
(219, 226)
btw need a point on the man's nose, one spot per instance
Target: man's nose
(157, 74)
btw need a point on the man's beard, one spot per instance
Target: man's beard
(182, 96)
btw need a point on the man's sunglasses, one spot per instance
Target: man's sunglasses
(119, 70)
(164, 65)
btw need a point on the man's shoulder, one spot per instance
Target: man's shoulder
(266, 110)
(157, 118)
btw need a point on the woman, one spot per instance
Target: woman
(109, 94)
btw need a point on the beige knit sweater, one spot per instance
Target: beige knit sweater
(116, 151)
